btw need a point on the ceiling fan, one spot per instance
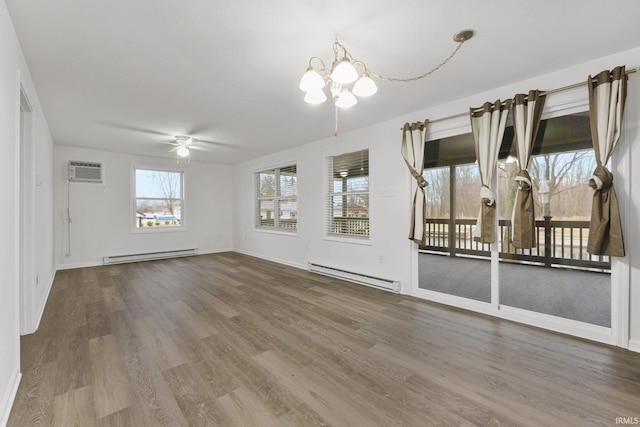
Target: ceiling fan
(184, 144)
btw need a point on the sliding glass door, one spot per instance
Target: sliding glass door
(451, 262)
(556, 277)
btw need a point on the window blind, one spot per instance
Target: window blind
(348, 194)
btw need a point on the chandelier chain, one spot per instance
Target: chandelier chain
(421, 76)
(345, 82)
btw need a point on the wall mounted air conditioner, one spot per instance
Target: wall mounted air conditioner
(85, 172)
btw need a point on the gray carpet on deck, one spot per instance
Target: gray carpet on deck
(577, 295)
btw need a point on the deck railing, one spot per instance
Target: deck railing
(287, 224)
(350, 225)
(558, 243)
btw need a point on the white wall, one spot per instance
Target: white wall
(391, 189)
(13, 74)
(389, 221)
(101, 213)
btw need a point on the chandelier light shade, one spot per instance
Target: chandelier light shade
(344, 81)
(346, 99)
(365, 86)
(315, 96)
(312, 81)
(344, 73)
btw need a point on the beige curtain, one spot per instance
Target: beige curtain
(527, 112)
(413, 154)
(487, 125)
(607, 95)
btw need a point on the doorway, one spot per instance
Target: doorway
(556, 284)
(27, 281)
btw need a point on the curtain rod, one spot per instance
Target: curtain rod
(546, 92)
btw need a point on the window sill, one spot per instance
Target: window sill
(276, 231)
(351, 239)
(152, 230)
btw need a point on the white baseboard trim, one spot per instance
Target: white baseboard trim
(268, 258)
(634, 345)
(9, 396)
(214, 251)
(43, 303)
(78, 265)
(100, 263)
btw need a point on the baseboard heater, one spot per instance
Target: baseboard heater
(148, 256)
(363, 279)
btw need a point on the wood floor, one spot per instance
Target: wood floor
(230, 340)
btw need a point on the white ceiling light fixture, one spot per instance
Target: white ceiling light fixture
(182, 151)
(339, 80)
(182, 146)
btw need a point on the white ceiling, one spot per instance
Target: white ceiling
(127, 75)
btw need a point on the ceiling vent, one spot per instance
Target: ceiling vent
(85, 172)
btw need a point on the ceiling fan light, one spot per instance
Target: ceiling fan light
(365, 86)
(346, 99)
(182, 151)
(311, 80)
(344, 72)
(316, 96)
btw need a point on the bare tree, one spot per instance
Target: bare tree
(467, 191)
(553, 174)
(437, 192)
(169, 185)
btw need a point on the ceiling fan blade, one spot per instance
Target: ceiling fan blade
(200, 128)
(134, 128)
(220, 144)
(199, 148)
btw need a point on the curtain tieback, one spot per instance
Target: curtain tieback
(602, 179)
(419, 179)
(487, 196)
(524, 180)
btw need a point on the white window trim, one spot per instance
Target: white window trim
(345, 238)
(132, 209)
(560, 104)
(256, 200)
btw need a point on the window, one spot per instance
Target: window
(348, 201)
(277, 204)
(561, 164)
(158, 199)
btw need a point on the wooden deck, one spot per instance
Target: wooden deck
(230, 340)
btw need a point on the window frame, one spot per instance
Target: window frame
(277, 199)
(134, 198)
(363, 239)
(562, 103)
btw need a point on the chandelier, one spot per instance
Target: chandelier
(345, 83)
